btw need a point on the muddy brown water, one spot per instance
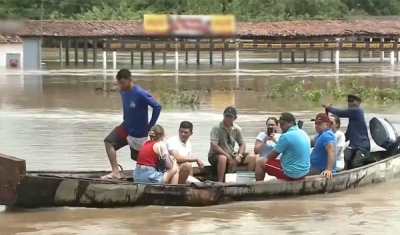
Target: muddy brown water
(56, 121)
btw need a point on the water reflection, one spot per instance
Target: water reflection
(77, 91)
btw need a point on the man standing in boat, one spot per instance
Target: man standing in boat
(358, 152)
(134, 130)
(222, 147)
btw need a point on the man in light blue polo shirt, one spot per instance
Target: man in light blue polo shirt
(323, 157)
(294, 145)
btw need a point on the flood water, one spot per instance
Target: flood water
(56, 121)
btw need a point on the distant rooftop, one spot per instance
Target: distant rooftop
(9, 39)
(373, 26)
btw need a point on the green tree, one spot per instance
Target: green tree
(244, 10)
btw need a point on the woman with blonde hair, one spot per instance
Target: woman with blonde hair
(154, 165)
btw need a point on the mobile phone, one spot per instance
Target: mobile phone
(300, 124)
(270, 130)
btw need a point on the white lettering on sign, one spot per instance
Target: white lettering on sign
(189, 25)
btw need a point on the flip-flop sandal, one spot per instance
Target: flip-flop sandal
(109, 177)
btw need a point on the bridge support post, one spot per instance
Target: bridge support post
(104, 59)
(237, 58)
(392, 58)
(370, 52)
(293, 57)
(94, 44)
(382, 52)
(398, 52)
(60, 53)
(319, 56)
(337, 59)
(67, 42)
(114, 60)
(176, 55)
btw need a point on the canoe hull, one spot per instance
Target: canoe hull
(36, 192)
(80, 190)
(12, 170)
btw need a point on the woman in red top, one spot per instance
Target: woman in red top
(146, 166)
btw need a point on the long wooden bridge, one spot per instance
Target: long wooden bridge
(382, 35)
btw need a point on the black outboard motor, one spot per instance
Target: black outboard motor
(384, 135)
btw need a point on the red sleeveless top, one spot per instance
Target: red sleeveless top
(147, 156)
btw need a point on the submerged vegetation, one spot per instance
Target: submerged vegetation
(166, 97)
(284, 89)
(180, 97)
(334, 90)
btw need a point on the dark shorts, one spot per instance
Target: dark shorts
(213, 158)
(356, 158)
(117, 138)
(314, 171)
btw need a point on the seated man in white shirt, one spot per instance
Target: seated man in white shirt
(180, 148)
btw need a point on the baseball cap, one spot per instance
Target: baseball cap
(231, 111)
(287, 117)
(321, 117)
(353, 97)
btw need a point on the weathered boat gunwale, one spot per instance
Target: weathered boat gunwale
(196, 170)
(73, 191)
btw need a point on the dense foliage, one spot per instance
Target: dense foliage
(245, 10)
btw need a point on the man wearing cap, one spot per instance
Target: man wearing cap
(294, 145)
(358, 152)
(325, 147)
(222, 148)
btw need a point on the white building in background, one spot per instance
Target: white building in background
(11, 52)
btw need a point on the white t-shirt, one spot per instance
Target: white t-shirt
(269, 145)
(341, 142)
(175, 143)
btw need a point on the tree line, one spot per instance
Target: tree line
(244, 10)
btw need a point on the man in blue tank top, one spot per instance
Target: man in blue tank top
(358, 152)
(134, 129)
(323, 156)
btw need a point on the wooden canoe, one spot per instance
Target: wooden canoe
(19, 188)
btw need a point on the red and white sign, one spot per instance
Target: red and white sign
(189, 25)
